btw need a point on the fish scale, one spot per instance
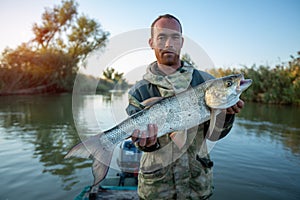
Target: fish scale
(182, 111)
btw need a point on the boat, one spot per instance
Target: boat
(122, 183)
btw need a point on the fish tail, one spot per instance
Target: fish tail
(92, 148)
(100, 167)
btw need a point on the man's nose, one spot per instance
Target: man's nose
(169, 42)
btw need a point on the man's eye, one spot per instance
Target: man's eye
(176, 37)
(161, 37)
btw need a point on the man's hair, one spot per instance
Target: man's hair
(168, 16)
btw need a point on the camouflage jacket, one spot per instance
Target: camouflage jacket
(171, 172)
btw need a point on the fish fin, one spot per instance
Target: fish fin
(212, 123)
(92, 147)
(179, 138)
(100, 167)
(151, 101)
(85, 149)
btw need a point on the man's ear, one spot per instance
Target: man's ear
(150, 42)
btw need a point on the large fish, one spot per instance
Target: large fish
(180, 112)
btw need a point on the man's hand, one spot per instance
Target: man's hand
(235, 108)
(145, 138)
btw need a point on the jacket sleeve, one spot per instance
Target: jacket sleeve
(135, 97)
(141, 91)
(224, 123)
(134, 105)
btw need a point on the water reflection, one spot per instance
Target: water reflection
(47, 123)
(280, 123)
(43, 126)
(113, 96)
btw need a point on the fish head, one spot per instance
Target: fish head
(222, 93)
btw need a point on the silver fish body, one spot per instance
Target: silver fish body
(179, 112)
(182, 111)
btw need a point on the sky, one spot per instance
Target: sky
(232, 32)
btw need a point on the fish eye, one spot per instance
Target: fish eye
(228, 83)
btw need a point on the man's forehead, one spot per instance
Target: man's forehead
(166, 31)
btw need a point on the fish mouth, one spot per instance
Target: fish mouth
(243, 84)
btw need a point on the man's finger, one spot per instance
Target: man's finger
(240, 103)
(152, 128)
(135, 135)
(236, 109)
(143, 139)
(230, 111)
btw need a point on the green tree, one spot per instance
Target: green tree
(53, 22)
(50, 60)
(187, 58)
(112, 80)
(272, 85)
(109, 73)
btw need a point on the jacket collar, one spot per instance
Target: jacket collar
(169, 85)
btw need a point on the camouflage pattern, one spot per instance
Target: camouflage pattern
(171, 84)
(184, 178)
(170, 172)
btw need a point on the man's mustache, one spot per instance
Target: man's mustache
(169, 51)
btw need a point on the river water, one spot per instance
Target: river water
(259, 159)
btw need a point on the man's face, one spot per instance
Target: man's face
(167, 41)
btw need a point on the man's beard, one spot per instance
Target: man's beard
(169, 60)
